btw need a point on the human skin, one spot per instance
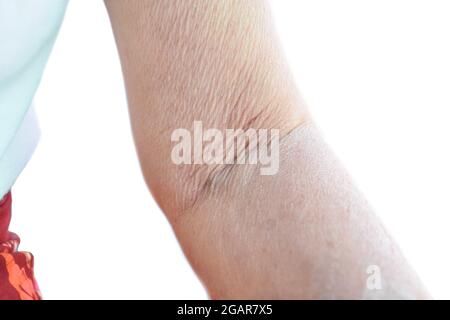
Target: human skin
(303, 233)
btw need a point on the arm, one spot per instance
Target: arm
(304, 232)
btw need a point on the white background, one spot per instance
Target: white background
(376, 75)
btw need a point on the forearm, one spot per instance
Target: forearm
(304, 232)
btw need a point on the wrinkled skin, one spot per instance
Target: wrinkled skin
(305, 232)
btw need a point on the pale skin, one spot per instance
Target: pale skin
(303, 233)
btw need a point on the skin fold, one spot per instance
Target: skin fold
(303, 233)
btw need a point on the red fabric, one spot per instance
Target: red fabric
(5, 217)
(17, 280)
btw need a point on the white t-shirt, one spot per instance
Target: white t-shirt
(28, 29)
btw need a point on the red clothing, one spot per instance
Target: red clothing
(17, 280)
